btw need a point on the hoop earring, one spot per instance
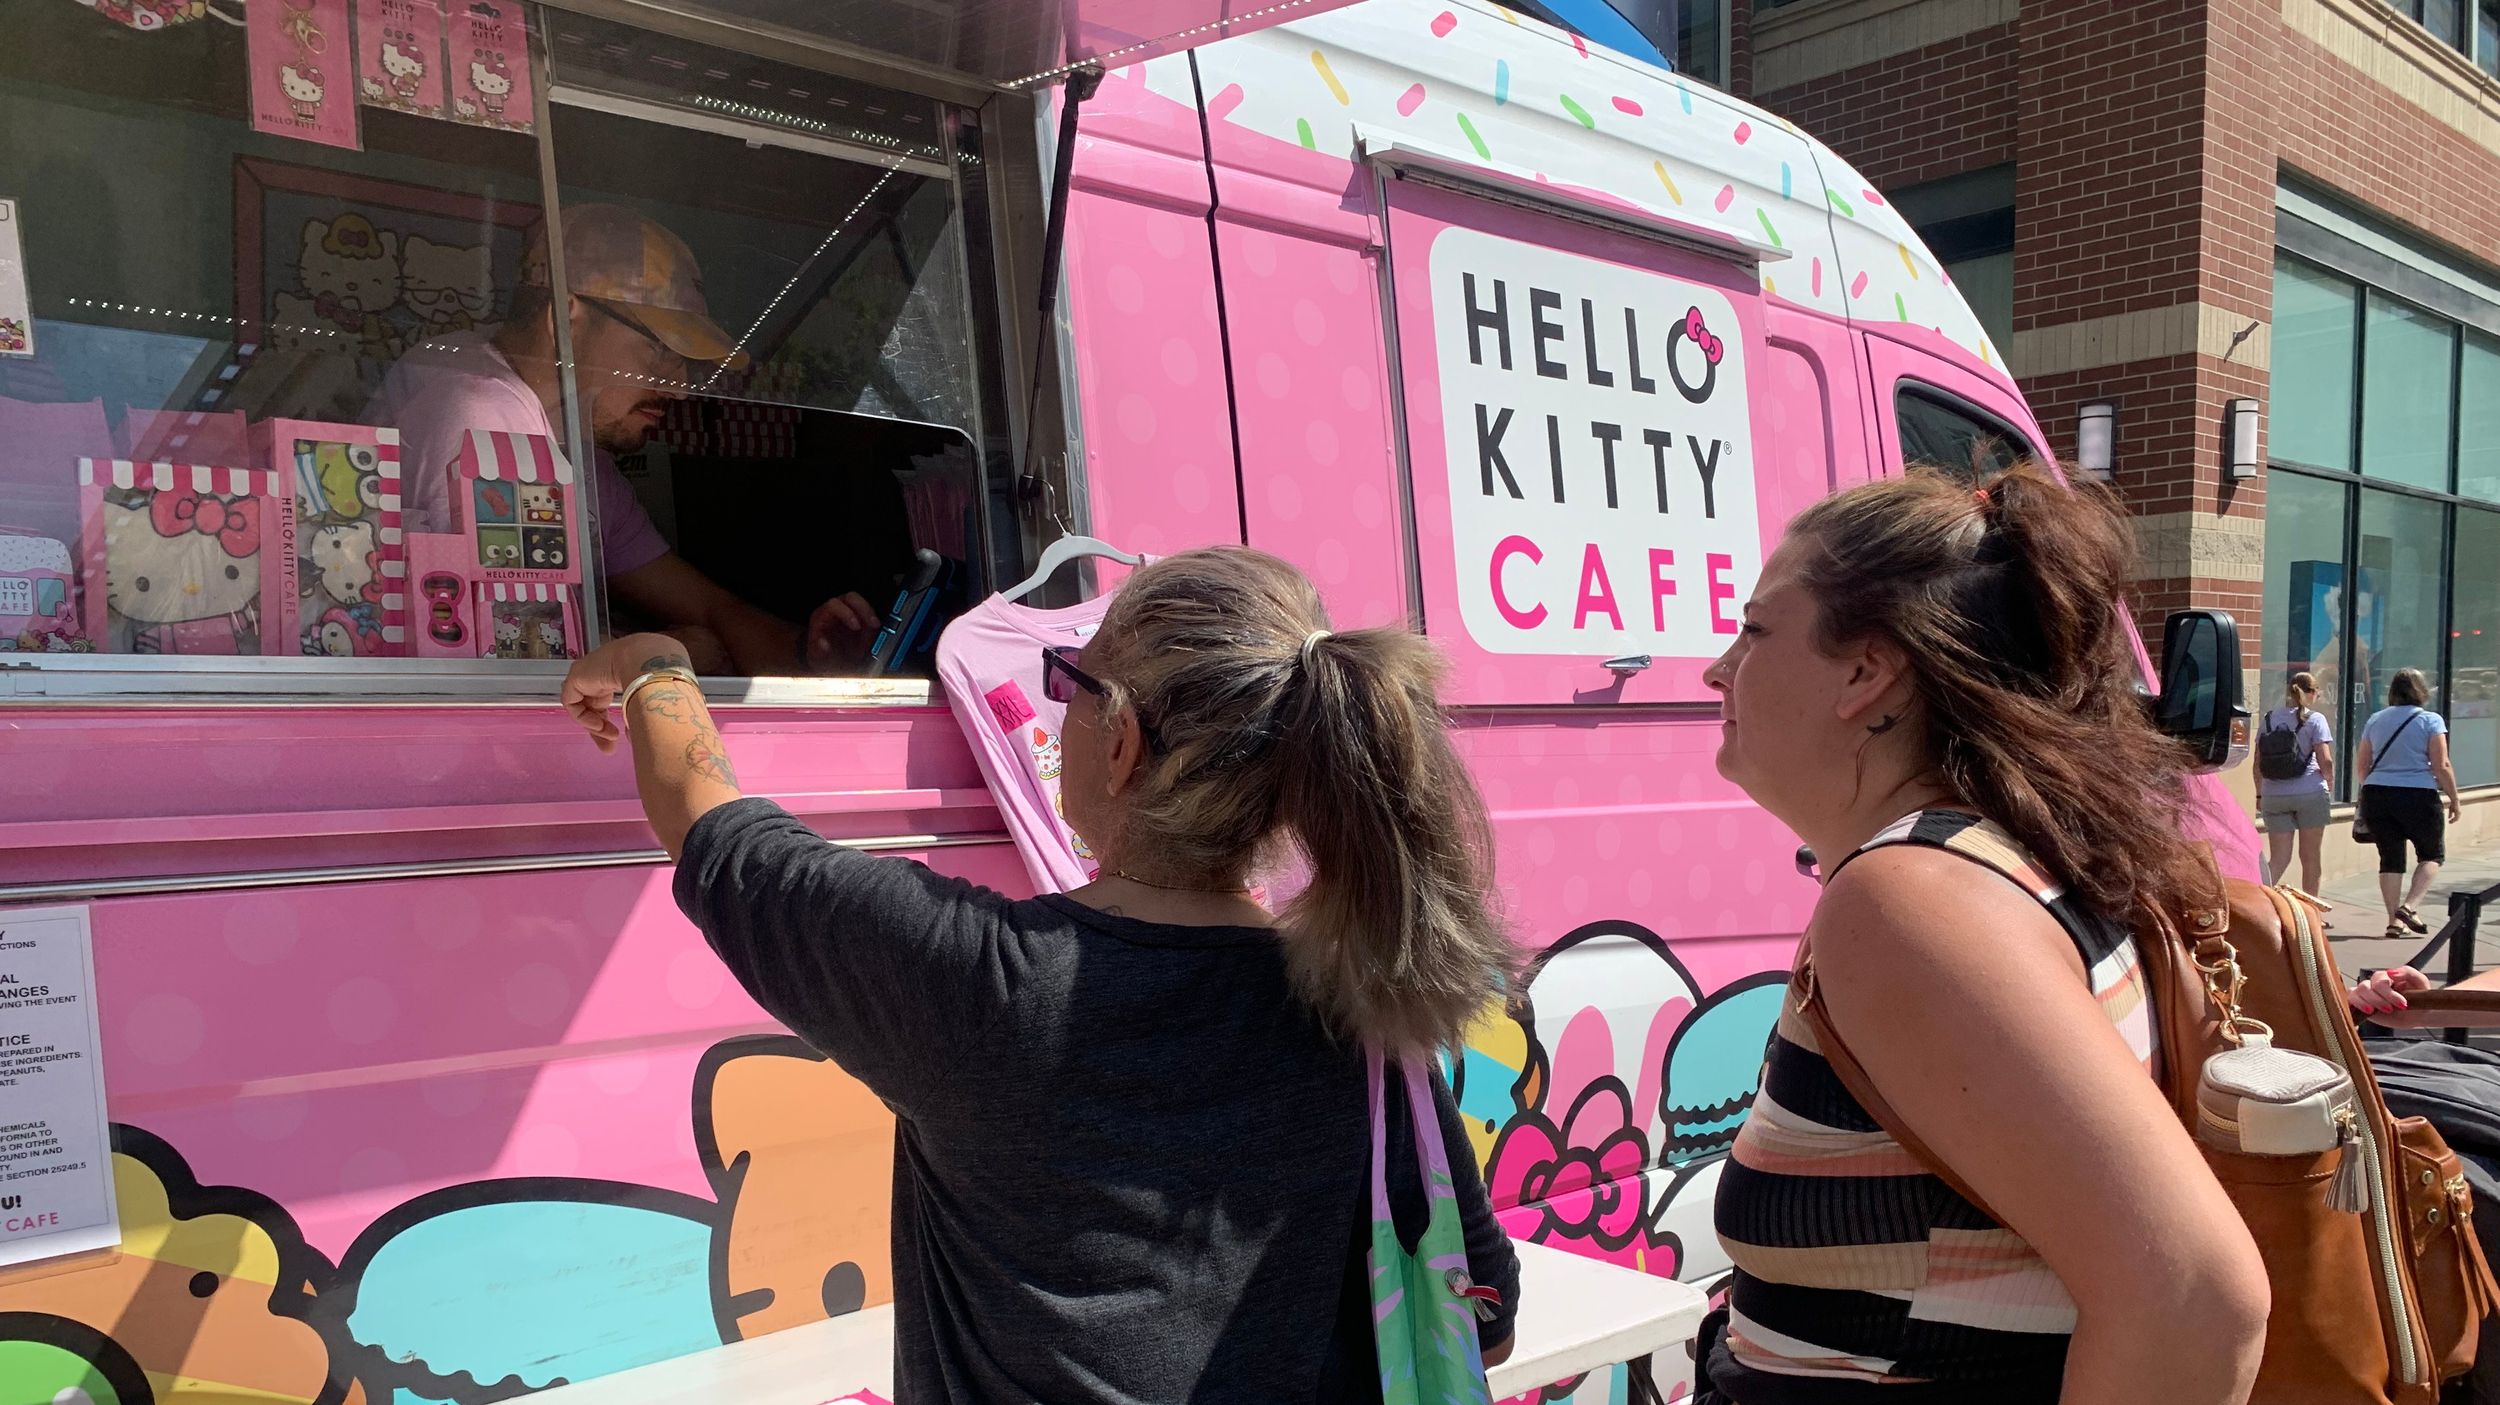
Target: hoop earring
(1879, 728)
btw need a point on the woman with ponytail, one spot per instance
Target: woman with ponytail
(1934, 688)
(1132, 1139)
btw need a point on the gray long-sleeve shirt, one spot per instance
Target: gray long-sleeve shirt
(1130, 1164)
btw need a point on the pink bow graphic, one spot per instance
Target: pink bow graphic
(1711, 347)
(235, 525)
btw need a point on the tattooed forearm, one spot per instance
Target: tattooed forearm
(673, 701)
(706, 757)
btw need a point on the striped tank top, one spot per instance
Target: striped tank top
(1859, 1275)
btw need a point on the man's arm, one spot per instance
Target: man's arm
(671, 591)
(760, 643)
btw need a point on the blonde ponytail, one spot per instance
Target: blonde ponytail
(1280, 732)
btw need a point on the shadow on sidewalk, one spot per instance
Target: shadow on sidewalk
(2360, 915)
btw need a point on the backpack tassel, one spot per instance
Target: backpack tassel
(2350, 1190)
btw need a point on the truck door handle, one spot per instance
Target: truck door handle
(1629, 663)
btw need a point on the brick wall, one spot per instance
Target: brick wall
(2147, 138)
(1939, 112)
(2110, 163)
(2342, 129)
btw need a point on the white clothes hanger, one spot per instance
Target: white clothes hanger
(1060, 553)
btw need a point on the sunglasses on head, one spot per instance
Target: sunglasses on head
(1061, 678)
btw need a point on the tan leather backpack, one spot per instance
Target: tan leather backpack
(2370, 1308)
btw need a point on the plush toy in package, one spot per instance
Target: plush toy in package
(39, 597)
(183, 558)
(348, 563)
(507, 583)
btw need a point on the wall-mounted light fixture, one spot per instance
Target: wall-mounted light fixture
(2096, 439)
(2239, 438)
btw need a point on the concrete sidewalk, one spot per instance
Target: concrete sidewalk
(2360, 915)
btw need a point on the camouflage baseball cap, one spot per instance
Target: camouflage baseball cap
(620, 257)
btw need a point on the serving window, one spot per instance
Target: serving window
(293, 404)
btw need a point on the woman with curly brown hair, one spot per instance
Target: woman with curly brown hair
(1934, 688)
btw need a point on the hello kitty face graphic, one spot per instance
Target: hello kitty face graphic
(341, 556)
(493, 82)
(540, 504)
(1046, 753)
(304, 89)
(177, 556)
(402, 62)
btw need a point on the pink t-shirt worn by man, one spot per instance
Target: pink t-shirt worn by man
(443, 389)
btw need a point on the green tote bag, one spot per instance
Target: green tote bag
(1423, 1305)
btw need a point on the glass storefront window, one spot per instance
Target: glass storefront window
(328, 413)
(2316, 322)
(2406, 405)
(2478, 427)
(2474, 649)
(2399, 602)
(2305, 583)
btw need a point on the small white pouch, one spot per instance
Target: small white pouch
(2258, 1100)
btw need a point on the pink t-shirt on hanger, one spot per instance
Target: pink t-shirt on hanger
(990, 663)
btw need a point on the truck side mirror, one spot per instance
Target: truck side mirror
(2199, 703)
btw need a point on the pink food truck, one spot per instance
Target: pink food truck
(414, 1084)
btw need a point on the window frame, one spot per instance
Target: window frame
(2356, 483)
(1912, 388)
(1006, 242)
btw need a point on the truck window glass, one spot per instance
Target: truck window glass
(313, 446)
(1945, 434)
(837, 438)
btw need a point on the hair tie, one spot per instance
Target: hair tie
(1310, 641)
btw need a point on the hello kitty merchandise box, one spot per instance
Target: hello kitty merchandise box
(347, 565)
(182, 558)
(39, 596)
(507, 583)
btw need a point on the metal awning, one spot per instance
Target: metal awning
(973, 46)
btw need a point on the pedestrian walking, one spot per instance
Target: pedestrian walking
(1134, 1121)
(1933, 689)
(2408, 796)
(2295, 757)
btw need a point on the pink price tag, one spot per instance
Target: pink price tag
(1009, 705)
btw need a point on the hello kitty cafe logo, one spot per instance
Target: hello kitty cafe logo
(1599, 445)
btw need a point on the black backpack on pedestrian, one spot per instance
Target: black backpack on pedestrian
(2279, 757)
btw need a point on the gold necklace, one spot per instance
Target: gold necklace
(1124, 875)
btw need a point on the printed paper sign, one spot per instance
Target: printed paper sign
(1600, 452)
(489, 65)
(56, 1157)
(17, 312)
(303, 70)
(399, 56)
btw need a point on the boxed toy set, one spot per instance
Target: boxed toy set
(506, 583)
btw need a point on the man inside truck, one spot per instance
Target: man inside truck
(641, 335)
